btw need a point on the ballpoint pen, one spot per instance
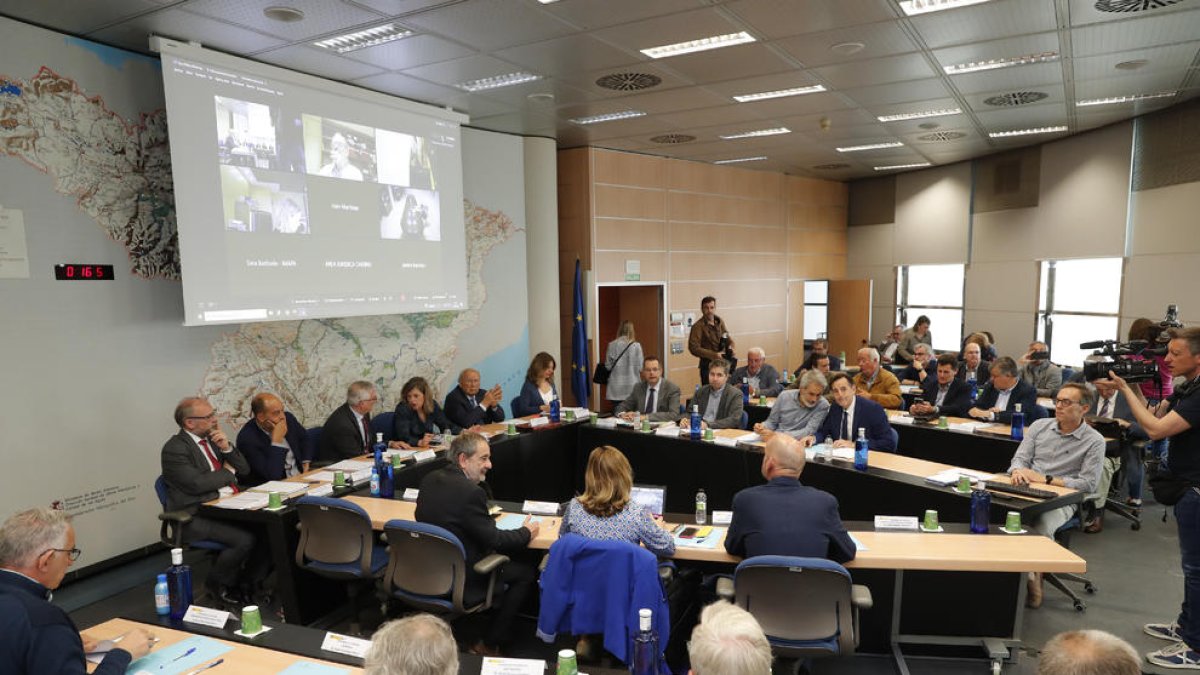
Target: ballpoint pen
(201, 669)
(184, 655)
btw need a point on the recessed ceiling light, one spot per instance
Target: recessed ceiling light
(779, 93)
(714, 42)
(754, 134)
(899, 117)
(871, 146)
(847, 48)
(607, 117)
(893, 167)
(541, 97)
(284, 14)
(507, 80)
(1132, 65)
(1006, 62)
(361, 39)
(1124, 99)
(912, 7)
(547, 2)
(740, 159)
(1027, 132)
(928, 126)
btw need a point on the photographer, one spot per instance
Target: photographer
(709, 339)
(1037, 370)
(1178, 418)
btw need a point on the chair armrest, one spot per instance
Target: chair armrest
(666, 572)
(860, 596)
(490, 563)
(725, 588)
(181, 517)
(545, 561)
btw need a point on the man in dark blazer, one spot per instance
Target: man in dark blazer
(720, 405)
(784, 517)
(347, 432)
(1003, 393)
(453, 498)
(467, 405)
(973, 361)
(273, 441)
(663, 406)
(199, 464)
(851, 413)
(943, 394)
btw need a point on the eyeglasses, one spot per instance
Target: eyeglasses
(1064, 402)
(72, 553)
(210, 416)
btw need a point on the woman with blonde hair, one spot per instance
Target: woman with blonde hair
(624, 361)
(604, 510)
(419, 417)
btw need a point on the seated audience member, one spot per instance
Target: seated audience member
(1039, 372)
(798, 412)
(38, 638)
(604, 510)
(419, 417)
(720, 405)
(1003, 393)
(538, 389)
(784, 517)
(921, 368)
(890, 342)
(347, 432)
(821, 346)
(273, 441)
(1088, 652)
(943, 394)
(875, 382)
(728, 641)
(986, 351)
(918, 334)
(419, 644)
(760, 375)
(654, 396)
(1112, 405)
(199, 464)
(453, 497)
(1062, 451)
(467, 405)
(851, 413)
(972, 361)
(817, 362)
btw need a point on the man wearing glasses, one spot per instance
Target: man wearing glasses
(36, 548)
(1062, 451)
(199, 464)
(347, 432)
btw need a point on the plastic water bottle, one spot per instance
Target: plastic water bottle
(162, 596)
(179, 585)
(981, 509)
(860, 450)
(387, 483)
(694, 423)
(380, 447)
(1018, 423)
(842, 357)
(972, 390)
(701, 507)
(555, 408)
(745, 392)
(375, 481)
(643, 658)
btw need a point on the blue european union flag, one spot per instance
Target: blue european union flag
(580, 368)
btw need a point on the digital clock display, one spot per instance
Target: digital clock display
(81, 272)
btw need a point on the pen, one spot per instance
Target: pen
(183, 655)
(201, 669)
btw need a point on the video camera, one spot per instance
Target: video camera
(1130, 360)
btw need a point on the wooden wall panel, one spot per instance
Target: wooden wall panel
(816, 267)
(610, 265)
(627, 168)
(697, 208)
(626, 202)
(741, 238)
(631, 235)
(733, 293)
(699, 266)
(795, 325)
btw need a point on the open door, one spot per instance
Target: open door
(849, 316)
(643, 305)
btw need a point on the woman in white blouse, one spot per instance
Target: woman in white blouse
(624, 361)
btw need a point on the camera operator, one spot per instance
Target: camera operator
(1037, 370)
(1178, 418)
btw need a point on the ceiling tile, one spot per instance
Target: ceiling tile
(1054, 92)
(518, 123)
(451, 73)
(776, 108)
(986, 21)
(412, 51)
(135, 33)
(564, 94)
(900, 92)
(316, 61)
(1014, 78)
(587, 81)
(491, 24)
(877, 71)
(1023, 117)
(1119, 36)
(593, 15)
(1174, 57)
(72, 16)
(1020, 45)
(748, 60)
(672, 100)
(667, 30)
(1084, 12)
(395, 7)
(320, 16)
(409, 87)
(1148, 83)
(569, 54)
(762, 83)
(878, 39)
(706, 117)
(782, 18)
(847, 117)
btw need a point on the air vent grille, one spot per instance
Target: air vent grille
(1014, 98)
(629, 81)
(832, 167)
(1123, 6)
(942, 136)
(672, 139)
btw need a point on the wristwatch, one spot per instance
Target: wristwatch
(1049, 479)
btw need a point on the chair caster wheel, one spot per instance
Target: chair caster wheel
(1089, 588)
(1079, 606)
(1135, 527)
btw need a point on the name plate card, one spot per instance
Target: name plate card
(540, 508)
(410, 494)
(344, 644)
(206, 616)
(424, 455)
(538, 422)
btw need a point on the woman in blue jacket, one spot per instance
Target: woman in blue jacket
(419, 417)
(538, 390)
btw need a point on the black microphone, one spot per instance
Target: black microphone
(1097, 344)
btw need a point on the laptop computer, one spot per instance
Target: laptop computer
(653, 497)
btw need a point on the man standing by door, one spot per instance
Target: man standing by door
(709, 339)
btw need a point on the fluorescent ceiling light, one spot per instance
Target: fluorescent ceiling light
(498, 81)
(872, 146)
(760, 132)
(919, 115)
(547, 2)
(779, 93)
(893, 167)
(912, 7)
(1130, 98)
(740, 159)
(1006, 62)
(607, 117)
(1027, 132)
(364, 38)
(714, 42)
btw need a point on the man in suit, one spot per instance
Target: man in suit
(467, 405)
(720, 405)
(1004, 393)
(1111, 405)
(943, 394)
(760, 375)
(784, 517)
(709, 339)
(875, 382)
(347, 432)
(273, 441)
(973, 362)
(199, 464)
(454, 498)
(852, 412)
(654, 396)
(922, 366)
(798, 412)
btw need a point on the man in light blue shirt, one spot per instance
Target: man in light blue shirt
(798, 412)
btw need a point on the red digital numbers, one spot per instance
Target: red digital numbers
(79, 272)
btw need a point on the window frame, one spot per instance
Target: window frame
(903, 306)
(1043, 322)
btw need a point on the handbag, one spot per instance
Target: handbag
(603, 372)
(1168, 488)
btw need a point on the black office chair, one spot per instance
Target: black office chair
(171, 531)
(337, 542)
(1057, 579)
(427, 570)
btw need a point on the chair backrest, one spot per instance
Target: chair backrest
(745, 420)
(802, 604)
(1067, 373)
(314, 437)
(895, 438)
(384, 423)
(513, 405)
(160, 489)
(334, 532)
(427, 566)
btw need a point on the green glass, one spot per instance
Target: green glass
(708, 434)
(964, 483)
(595, 418)
(274, 501)
(1012, 522)
(339, 479)
(931, 519)
(512, 430)
(396, 460)
(645, 425)
(567, 664)
(943, 422)
(570, 415)
(251, 620)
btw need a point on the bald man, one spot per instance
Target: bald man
(468, 405)
(273, 441)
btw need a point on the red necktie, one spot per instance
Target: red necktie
(216, 463)
(366, 420)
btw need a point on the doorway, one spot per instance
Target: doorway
(644, 305)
